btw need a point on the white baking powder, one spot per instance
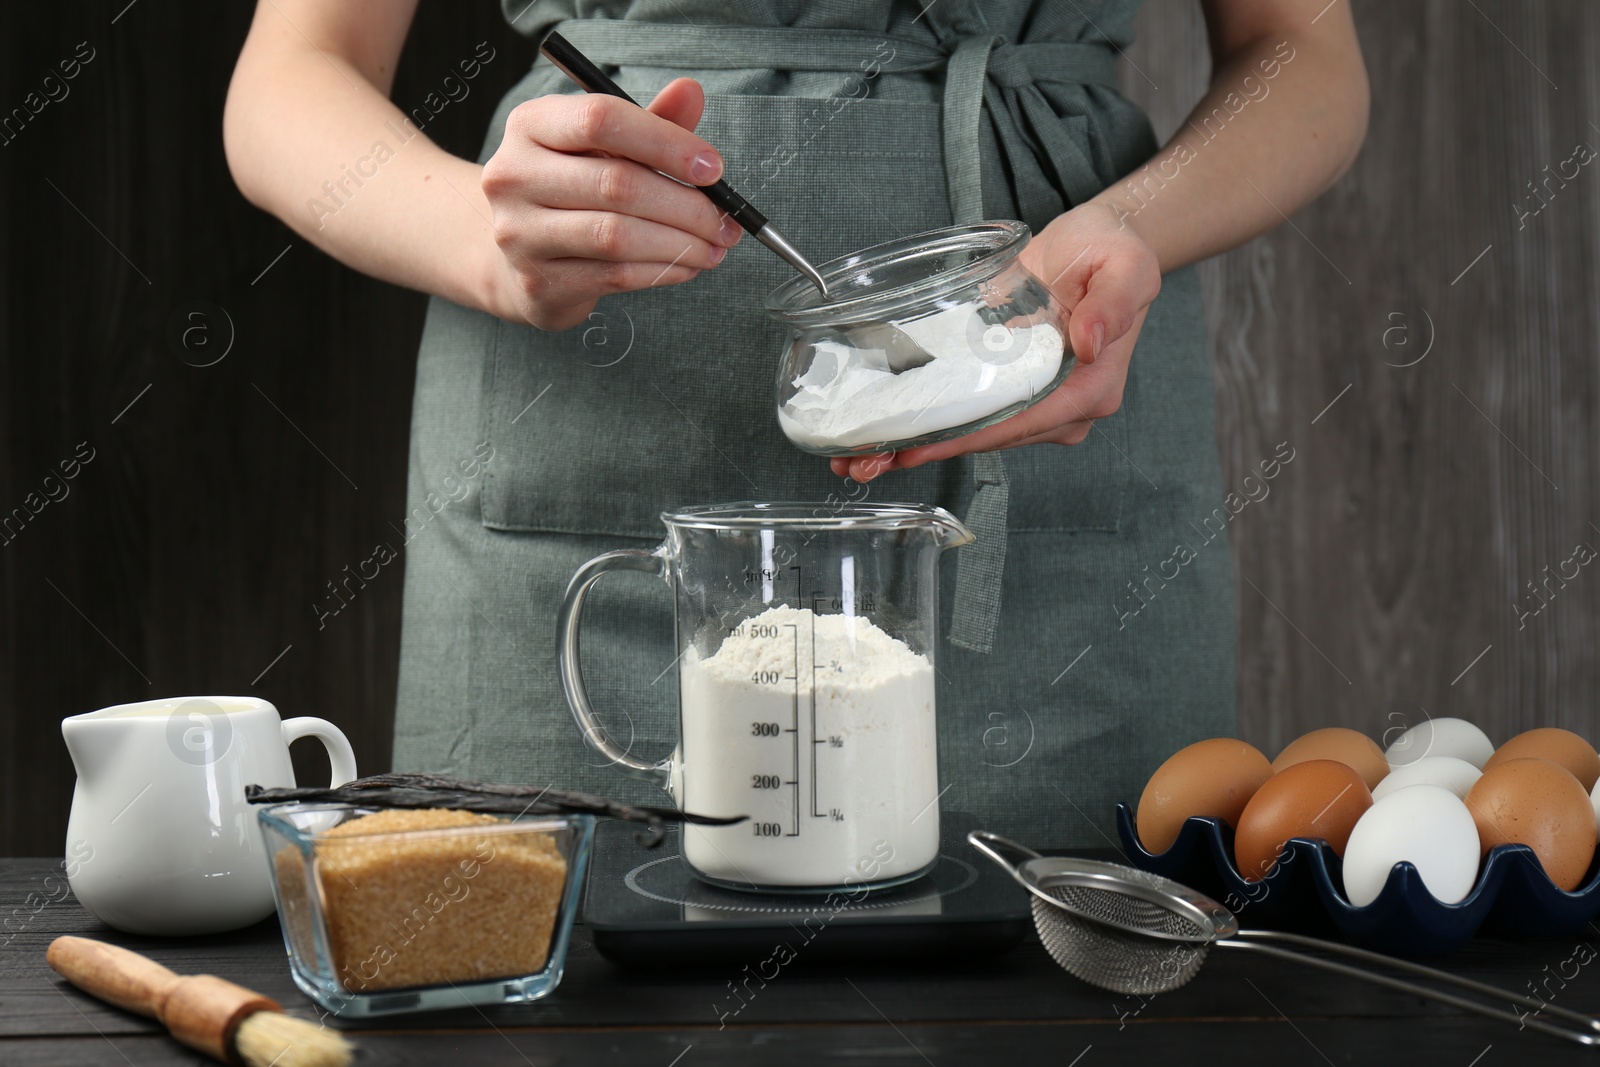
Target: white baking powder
(829, 772)
(849, 397)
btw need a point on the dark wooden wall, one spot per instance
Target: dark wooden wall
(1377, 582)
(188, 553)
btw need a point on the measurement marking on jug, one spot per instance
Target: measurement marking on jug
(794, 730)
(814, 812)
(815, 597)
(832, 741)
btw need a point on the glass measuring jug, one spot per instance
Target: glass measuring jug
(806, 636)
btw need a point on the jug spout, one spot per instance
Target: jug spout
(93, 741)
(949, 531)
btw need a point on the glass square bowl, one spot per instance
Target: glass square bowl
(390, 916)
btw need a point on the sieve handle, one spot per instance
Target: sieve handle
(1587, 1032)
(986, 842)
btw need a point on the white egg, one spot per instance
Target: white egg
(1427, 826)
(1441, 737)
(1456, 775)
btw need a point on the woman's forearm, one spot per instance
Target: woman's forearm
(311, 137)
(1283, 119)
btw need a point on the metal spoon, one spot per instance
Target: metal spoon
(900, 348)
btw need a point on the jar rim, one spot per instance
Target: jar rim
(282, 817)
(856, 291)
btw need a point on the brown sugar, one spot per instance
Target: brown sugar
(414, 898)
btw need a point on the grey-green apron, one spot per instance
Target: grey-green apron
(1076, 654)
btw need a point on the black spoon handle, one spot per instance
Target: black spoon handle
(577, 66)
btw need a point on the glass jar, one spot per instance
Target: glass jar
(920, 340)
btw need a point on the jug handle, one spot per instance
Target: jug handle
(567, 627)
(341, 757)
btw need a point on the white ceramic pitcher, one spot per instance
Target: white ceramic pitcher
(164, 841)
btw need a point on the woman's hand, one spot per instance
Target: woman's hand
(580, 211)
(1105, 277)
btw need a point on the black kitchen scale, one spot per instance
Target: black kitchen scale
(644, 908)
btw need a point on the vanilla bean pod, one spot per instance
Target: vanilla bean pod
(443, 791)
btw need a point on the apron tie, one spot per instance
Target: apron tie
(963, 114)
(1048, 157)
(984, 71)
(980, 567)
(987, 72)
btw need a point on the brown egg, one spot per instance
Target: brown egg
(1350, 747)
(1214, 778)
(1557, 746)
(1317, 798)
(1539, 804)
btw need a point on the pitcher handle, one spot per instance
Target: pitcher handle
(567, 626)
(341, 757)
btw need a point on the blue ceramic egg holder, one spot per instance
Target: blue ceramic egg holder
(1304, 892)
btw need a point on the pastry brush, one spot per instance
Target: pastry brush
(223, 1020)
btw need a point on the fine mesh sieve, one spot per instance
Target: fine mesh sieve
(1130, 931)
(1106, 955)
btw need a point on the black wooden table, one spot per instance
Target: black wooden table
(1014, 1010)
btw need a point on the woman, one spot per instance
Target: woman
(597, 330)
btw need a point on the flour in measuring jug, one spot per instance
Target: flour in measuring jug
(833, 753)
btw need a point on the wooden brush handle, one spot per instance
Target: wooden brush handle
(199, 1010)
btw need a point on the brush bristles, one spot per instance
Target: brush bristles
(273, 1038)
